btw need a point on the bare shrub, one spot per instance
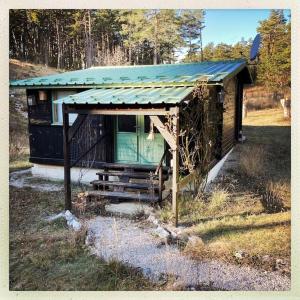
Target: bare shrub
(218, 199)
(271, 199)
(252, 160)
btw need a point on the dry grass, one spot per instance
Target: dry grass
(231, 217)
(49, 256)
(252, 160)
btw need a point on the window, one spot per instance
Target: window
(127, 123)
(57, 108)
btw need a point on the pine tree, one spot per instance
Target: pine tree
(191, 26)
(275, 55)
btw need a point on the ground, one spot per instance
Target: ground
(230, 220)
(244, 219)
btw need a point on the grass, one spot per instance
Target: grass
(232, 216)
(48, 256)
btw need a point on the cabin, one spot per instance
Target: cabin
(107, 125)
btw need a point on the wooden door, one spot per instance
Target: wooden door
(132, 145)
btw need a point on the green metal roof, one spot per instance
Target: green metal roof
(158, 95)
(136, 76)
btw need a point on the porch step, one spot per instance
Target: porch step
(124, 195)
(135, 167)
(132, 185)
(139, 175)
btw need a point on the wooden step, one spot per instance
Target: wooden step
(121, 166)
(140, 175)
(124, 195)
(132, 185)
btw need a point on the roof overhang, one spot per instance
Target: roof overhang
(129, 96)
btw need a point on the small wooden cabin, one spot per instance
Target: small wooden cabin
(102, 117)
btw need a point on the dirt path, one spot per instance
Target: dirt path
(126, 241)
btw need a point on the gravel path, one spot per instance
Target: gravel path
(127, 242)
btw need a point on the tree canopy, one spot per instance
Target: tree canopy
(76, 39)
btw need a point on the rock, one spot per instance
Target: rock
(195, 242)
(72, 221)
(266, 258)
(240, 254)
(55, 217)
(279, 264)
(152, 219)
(128, 208)
(162, 233)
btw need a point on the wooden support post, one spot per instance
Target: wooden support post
(67, 173)
(160, 183)
(175, 174)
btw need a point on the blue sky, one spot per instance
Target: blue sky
(230, 25)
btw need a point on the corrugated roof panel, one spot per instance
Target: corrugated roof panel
(140, 95)
(149, 75)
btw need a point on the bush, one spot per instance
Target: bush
(271, 199)
(218, 199)
(252, 160)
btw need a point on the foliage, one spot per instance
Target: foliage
(271, 199)
(192, 24)
(75, 39)
(274, 69)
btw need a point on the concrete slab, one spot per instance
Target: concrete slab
(128, 208)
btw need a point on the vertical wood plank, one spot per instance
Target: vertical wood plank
(175, 174)
(67, 173)
(160, 183)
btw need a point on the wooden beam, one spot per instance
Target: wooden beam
(175, 174)
(76, 125)
(164, 131)
(185, 180)
(67, 173)
(116, 111)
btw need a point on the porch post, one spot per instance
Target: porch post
(175, 174)
(67, 175)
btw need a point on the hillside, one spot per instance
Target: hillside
(18, 137)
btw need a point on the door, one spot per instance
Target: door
(132, 145)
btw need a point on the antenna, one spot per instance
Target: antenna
(255, 47)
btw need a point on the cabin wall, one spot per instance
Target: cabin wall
(229, 115)
(46, 138)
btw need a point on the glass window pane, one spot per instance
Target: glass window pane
(127, 123)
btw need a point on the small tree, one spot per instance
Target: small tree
(274, 69)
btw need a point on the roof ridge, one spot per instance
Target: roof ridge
(166, 65)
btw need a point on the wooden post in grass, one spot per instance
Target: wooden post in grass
(175, 174)
(172, 138)
(67, 174)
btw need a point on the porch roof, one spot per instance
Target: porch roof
(136, 76)
(158, 95)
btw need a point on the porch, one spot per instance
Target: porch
(143, 159)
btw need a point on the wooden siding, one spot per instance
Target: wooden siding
(229, 115)
(46, 140)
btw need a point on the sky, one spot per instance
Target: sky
(230, 25)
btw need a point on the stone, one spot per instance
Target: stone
(195, 242)
(72, 221)
(162, 232)
(266, 258)
(128, 208)
(240, 254)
